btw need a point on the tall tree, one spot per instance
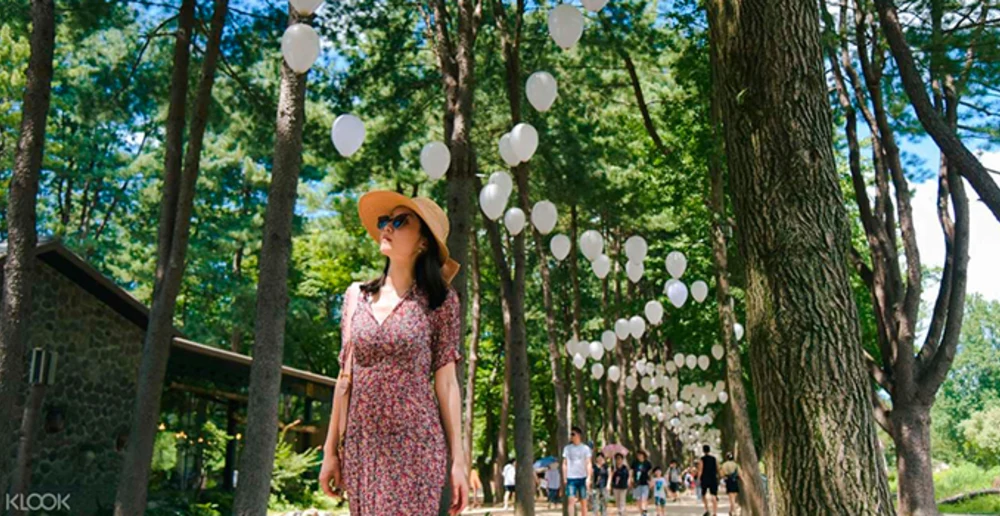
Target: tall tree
(180, 178)
(22, 235)
(257, 459)
(813, 396)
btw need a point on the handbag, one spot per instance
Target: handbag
(342, 392)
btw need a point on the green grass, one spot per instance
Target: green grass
(983, 505)
(962, 479)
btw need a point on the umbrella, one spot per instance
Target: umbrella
(544, 462)
(614, 448)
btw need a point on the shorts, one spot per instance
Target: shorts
(732, 485)
(576, 488)
(553, 495)
(641, 493)
(660, 501)
(710, 487)
(675, 487)
(510, 489)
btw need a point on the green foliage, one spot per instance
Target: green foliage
(982, 436)
(164, 452)
(289, 484)
(962, 479)
(989, 504)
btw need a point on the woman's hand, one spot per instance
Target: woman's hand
(329, 473)
(459, 488)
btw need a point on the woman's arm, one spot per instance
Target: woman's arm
(446, 387)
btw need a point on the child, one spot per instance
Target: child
(674, 481)
(659, 487)
(599, 487)
(619, 483)
(553, 481)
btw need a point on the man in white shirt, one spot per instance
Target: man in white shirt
(509, 476)
(577, 470)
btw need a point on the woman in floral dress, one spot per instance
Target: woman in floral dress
(403, 438)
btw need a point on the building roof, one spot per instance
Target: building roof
(187, 357)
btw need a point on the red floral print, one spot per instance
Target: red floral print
(395, 453)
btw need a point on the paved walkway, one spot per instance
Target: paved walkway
(688, 506)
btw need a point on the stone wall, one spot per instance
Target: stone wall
(99, 353)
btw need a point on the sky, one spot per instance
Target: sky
(984, 237)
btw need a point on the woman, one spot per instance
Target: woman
(731, 477)
(404, 327)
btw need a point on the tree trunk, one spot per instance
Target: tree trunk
(473, 355)
(913, 460)
(814, 398)
(257, 459)
(29, 427)
(752, 497)
(133, 484)
(22, 236)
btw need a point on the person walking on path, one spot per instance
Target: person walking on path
(577, 470)
(641, 469)
(553, 481)
(399, 331)
(659, 488)
(475, 488)
(599, 486)
(731, 476)
(620, 482)
(509, 481)
(708, 475)
(674, 479)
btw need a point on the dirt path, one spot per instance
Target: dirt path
(688, 506)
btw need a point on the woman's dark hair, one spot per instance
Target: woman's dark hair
(426, 273)
(729, 456)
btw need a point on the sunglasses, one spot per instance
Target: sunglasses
(397, 222)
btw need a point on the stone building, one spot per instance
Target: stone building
(97, 330)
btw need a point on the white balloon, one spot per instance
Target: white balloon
(640, 366)
(300, 47)
(594, 5)
(738, 330)
(679, 406)
(723, 397)
(435, 158)
(614, 374)
(601, 266)
(646, 384)
(591, 244)
(718, 351)
(654, 399)
(608, 340)
(347, 133)
(643, 407)
(654, 312)
(492, 201)
(678, 294)
(671, 368)
(514, 220)
(571, 346)
(541, 90)
(666, 286)
(507, 153)
(579, 361)
(676, 264)
(679, 359)
(524, 140)
(703, 362)
(622, 329)
(559, 245)
(597, 371)
(637, 326)
(306, 7)
(565, 25)
(631, 383)
(636, 248)
(596, 350)
(634, 271)
(504, 180)
(691, 361)
(699, 291)
(543, 216)
(674, 422)
(660, 416)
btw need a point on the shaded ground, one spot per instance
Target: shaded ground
(688, 506)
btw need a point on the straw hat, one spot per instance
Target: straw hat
(376, 203)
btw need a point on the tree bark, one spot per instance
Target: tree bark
(473, 355)
(257, 459)
(22, 236)
(578, 375)
(813, 396)
(752, 497)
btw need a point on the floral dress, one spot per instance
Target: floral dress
(395, 452)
